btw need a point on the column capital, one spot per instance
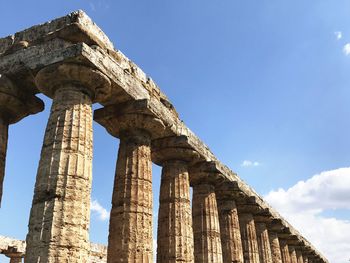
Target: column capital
(90, 81)
(171, 149)
(205, 173)
(129, 116)
(15, 104)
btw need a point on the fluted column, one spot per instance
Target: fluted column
(285, 251)
(293, 254)
(175, 233)
(249, 238)
(275, 248)
(263, 243)
(130, 229)
(60, 213)
(131, 221)
(232, 250)
(207, 242)
(299, 256)
(15, 104)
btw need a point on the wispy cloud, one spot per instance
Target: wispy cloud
(305, 204)
(346, 49)
(338, 35)
(248, 163)
(99, 210)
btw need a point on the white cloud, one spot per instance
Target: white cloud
(346, 49)
(303, 206)
(247, 163)
(338, 35)
(101, 212)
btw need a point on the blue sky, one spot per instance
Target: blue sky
(265, 83)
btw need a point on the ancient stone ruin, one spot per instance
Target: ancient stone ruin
(73, 62)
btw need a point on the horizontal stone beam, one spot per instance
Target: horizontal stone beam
(76, 39)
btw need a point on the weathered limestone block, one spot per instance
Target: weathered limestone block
(293, 255)
(249, 238)
(232, 250)
(206, 227)
(299, 256)
(263, 243)
(131, 221)
(275, 248)
(60, 213)
(175, 233)
(285, 251)
(14, 105)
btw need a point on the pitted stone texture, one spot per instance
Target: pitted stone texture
(175, 233)
(3, 149)
(263, 243)
(130, 230)
(293, 254)
(15, 259)
(299, 256)
(275, 248)
(249, 238)
(285, 251)
(14, 105)
(89, 81)
(60, 213)
(232, 250)
(206, 227)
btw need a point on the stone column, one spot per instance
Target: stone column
(285, 251)
(275, 248)
(293, 254)
(60, 213)
(175, 233)
(263, 243)
(15, 260)
(206, 227)
(232, 250)
(249, 238)
(131, 222)
(15, 104)
(299, 256)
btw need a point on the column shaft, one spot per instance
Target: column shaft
(130, 229)
(15, 260)
(299, 257)
(249, 238)
(207, 242)
(275, 248)
(175, 233)
(3, 148)
(263, 243)
(232, 250)
(293, 255)
(285, 252)
(60, 213)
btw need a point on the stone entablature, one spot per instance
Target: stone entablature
(74, 45)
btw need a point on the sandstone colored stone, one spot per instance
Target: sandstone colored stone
(60, 213)
(263, 243)
(232, 250)
(175, 233)
(249, 238)
(299, 256)
(206, 227)
(14, 105)
(275, 248)
(293, 255)
(285, 251)
(75, 39)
